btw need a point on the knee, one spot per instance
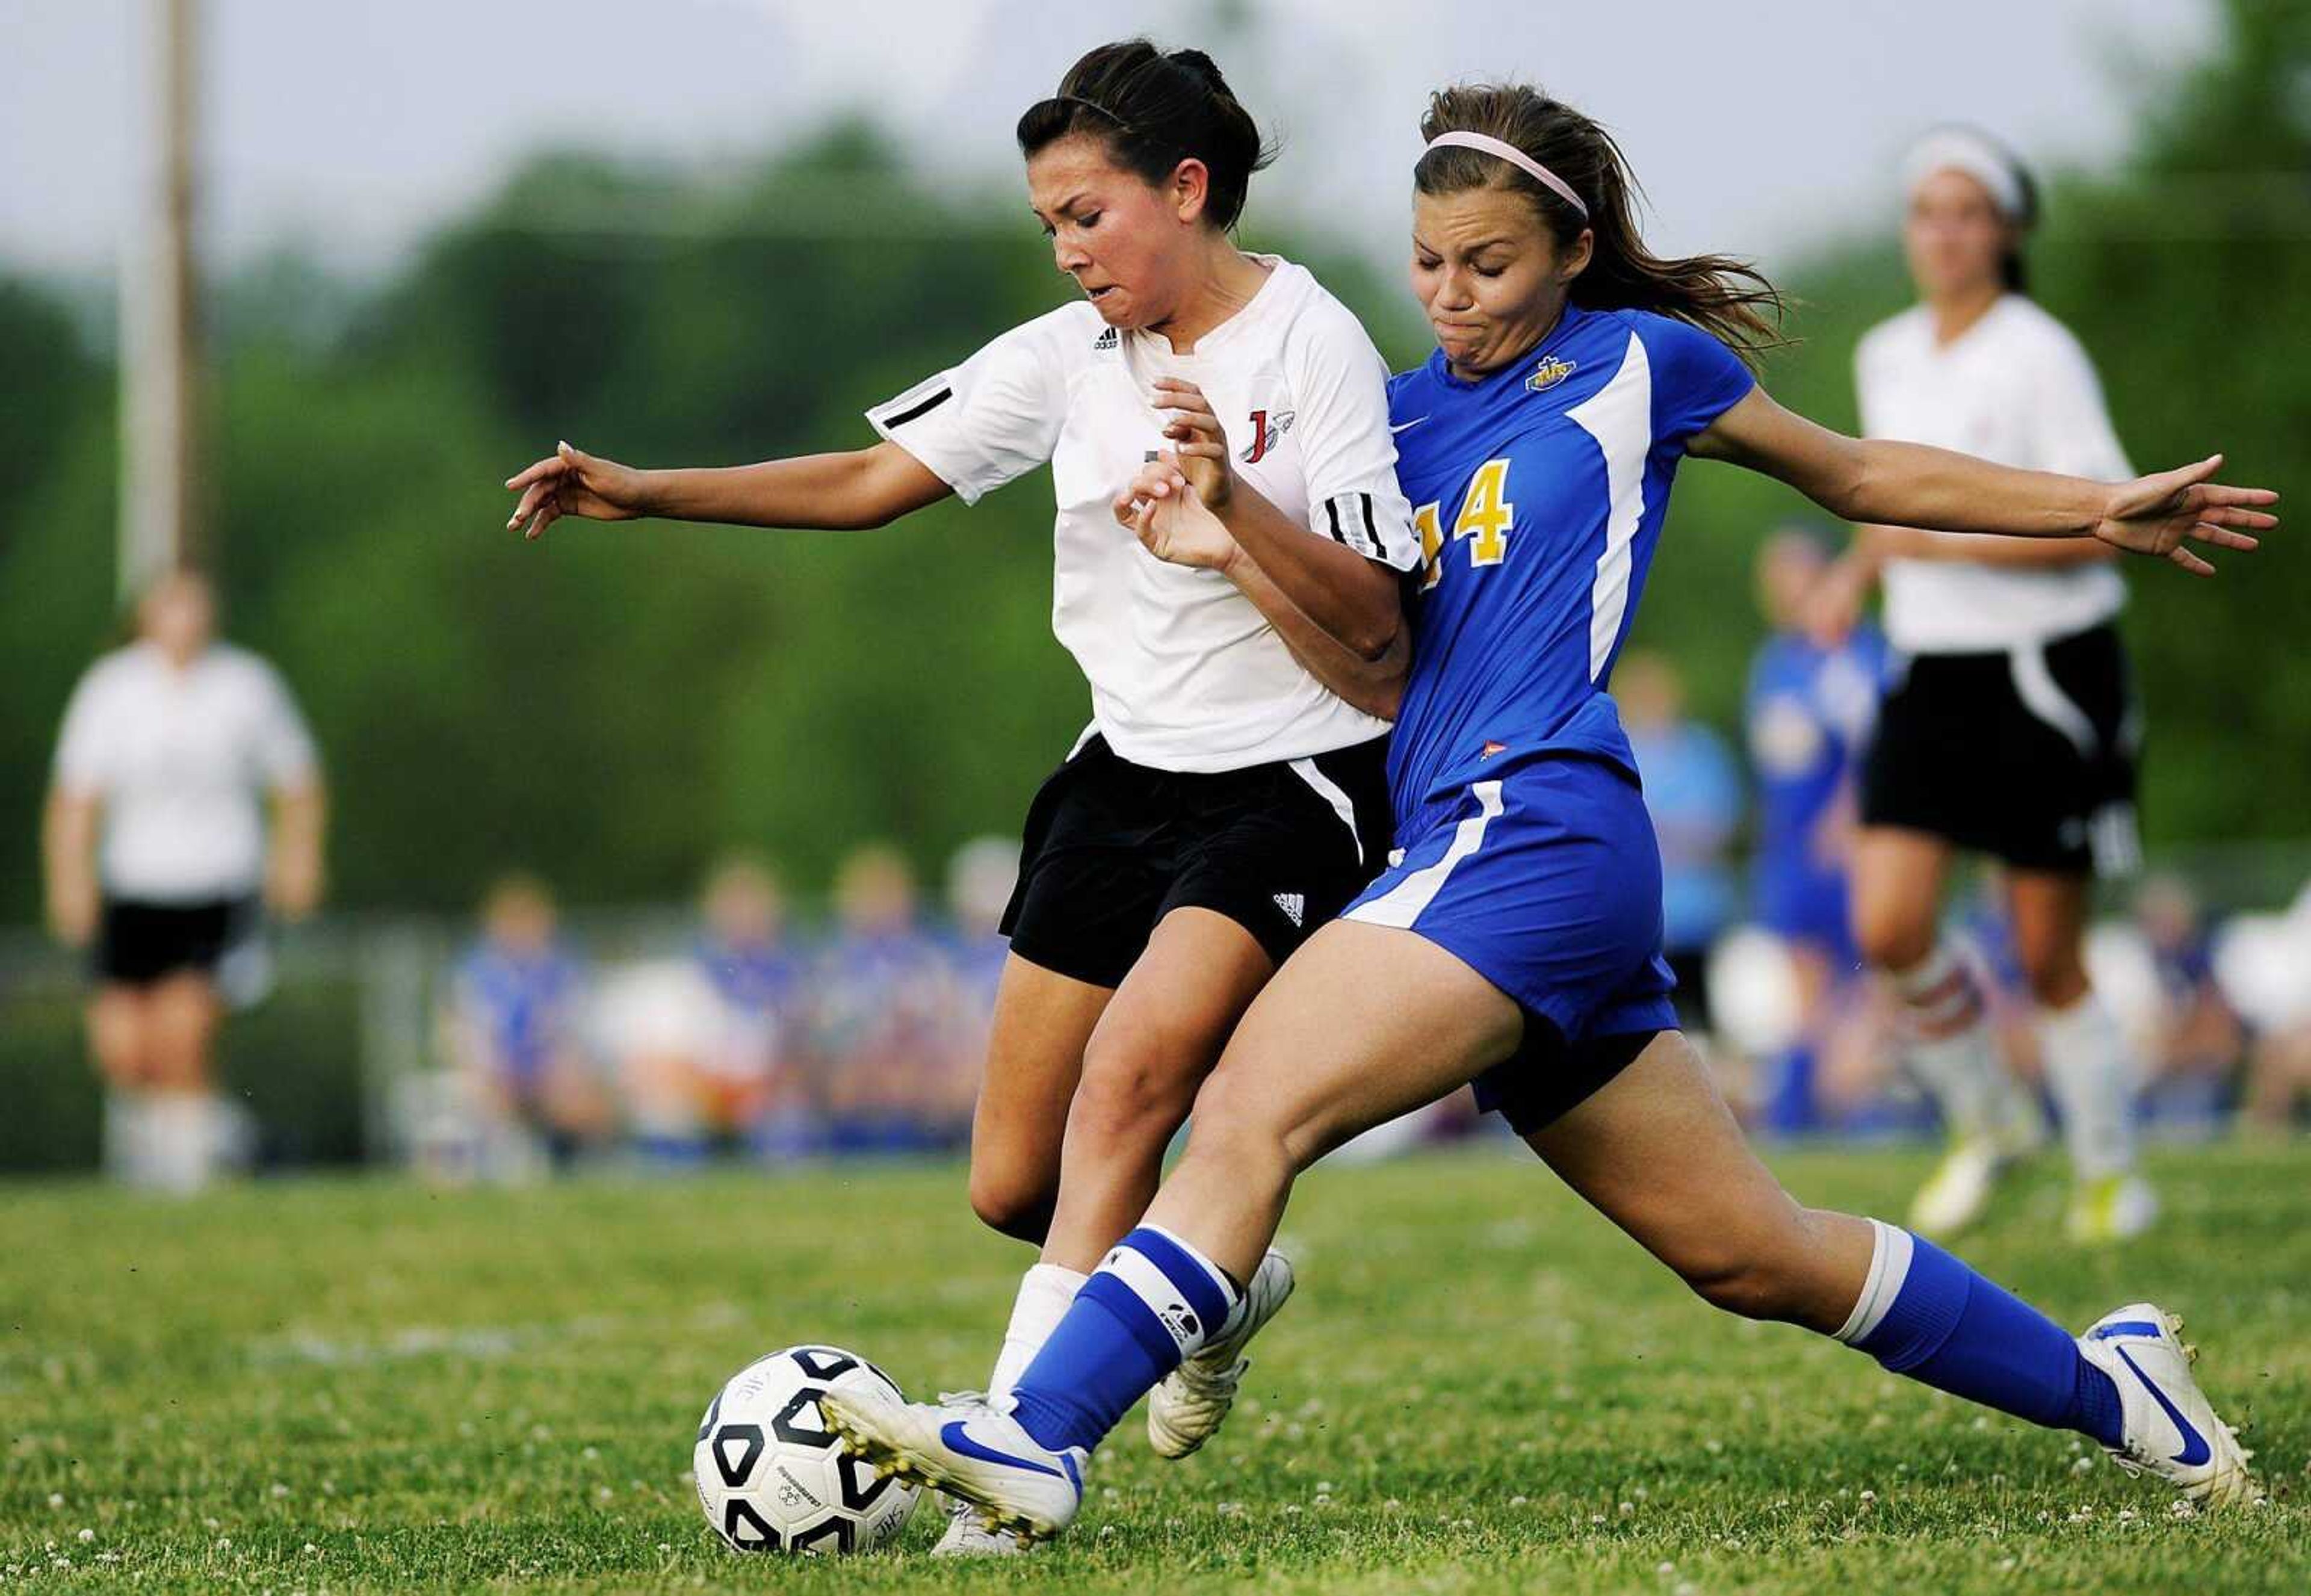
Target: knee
(1136, 1087)
(1237, 1129)
(2055, 970)
(1893, 935)
(1012, 1201)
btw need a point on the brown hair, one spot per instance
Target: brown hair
(1154, 110)
(1726, 297)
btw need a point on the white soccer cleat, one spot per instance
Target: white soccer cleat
(2170, 1428)
(2111, 1209)
(967, 1449)
(1187, 1409)
(966, 1536)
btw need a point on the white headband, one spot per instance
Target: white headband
(1515, 157)
(1962, 150)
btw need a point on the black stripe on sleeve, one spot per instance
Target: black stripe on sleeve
(1333, 513)
(1379, 549)
(925, 408)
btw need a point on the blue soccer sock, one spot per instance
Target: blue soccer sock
(1154, 1301)
(1925, 1314)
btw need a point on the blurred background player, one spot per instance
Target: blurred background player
(752, 1084)
(879, 990)
(158, 852)
(1809, 713)
(512, 1028)
(1692, 789)
(2010, 730)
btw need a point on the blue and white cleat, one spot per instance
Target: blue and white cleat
(1186, 1410)
(967, 1449)
(2170, 1428)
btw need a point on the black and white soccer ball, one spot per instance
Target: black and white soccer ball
(773, 1477)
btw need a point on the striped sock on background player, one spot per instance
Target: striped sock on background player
(1945, 1028)
(1154, 1301)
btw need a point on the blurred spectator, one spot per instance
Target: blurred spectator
(756, 1082)
(512, 1030)
(1808, 714)
(1692, 789)
(979, 879)
(881, 991)
(2262, 963)
(157, 852)
(2193, 1039)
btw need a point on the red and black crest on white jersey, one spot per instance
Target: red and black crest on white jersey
(1266, 429)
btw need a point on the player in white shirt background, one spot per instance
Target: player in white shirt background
(2009, 727)
(157, 856)
(1224, 802)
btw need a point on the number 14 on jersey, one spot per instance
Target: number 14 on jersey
(1486, 518)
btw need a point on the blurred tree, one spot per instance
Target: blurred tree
(616, 704)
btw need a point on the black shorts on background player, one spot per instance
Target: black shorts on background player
(138, 943)
(2027, 755)
(1112, 847)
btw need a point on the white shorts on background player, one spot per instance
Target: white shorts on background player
(181, 759)
(1185, 673)
(2016, 389)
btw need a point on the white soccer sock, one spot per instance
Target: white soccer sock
(1890, 1266)
(128, 1137)
(1046, 1292)
(1945, 1028)
(2091, 1072)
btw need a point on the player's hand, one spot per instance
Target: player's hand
(1172, 521)
(1194, 431)
(2163, 515)
(569, 482)
(1834, 608)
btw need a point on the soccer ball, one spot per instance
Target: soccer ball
(773, 1477)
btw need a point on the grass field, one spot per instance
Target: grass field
(369, 1385)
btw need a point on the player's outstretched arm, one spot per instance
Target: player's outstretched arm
(849, 491)
(1909, 484)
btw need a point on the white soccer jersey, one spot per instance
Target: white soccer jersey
(2016, 389)
(1185, 673)
(180, 761)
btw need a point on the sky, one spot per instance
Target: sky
(348, 128)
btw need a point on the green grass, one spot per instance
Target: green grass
(367, 1385)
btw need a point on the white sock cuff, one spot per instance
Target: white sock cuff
(1228, 1289)
(1053, 1277)
(1890, 1267)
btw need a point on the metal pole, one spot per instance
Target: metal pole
(160, 335)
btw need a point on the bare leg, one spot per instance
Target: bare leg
(1153, 1048)
(1657, 1152)
(1035, 1043)
(1365, 1022)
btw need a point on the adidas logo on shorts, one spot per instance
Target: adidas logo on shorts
(1294, 904)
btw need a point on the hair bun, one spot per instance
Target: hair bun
(1203, 66)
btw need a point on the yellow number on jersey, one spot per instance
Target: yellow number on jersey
(1487, 515)
(1432, 543)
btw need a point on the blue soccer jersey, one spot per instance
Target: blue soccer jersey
(1523, 845)
(1539, 494)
